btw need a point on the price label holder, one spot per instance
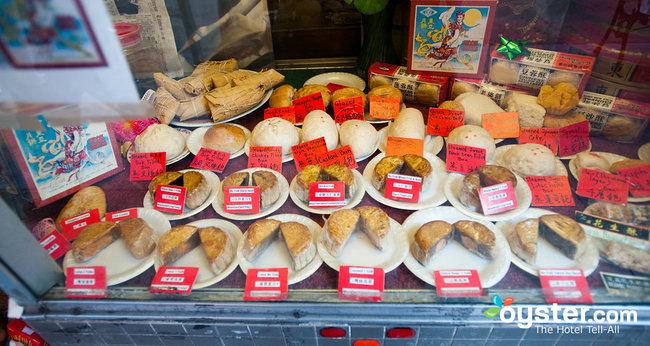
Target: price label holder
(626, 285)
(55, 244)
(211, 160)
(574, 138)
(286, 113)
(565, 286)
(85, 282)
(170, 199)
(610, 230)
(442, 121)
(306, 104)
(639, 179)
(341, 156)
(501, 125)
(401, 146)
(384, 107)
(497, 198)
(266, 284)
(464, 159)
(541, 135)
(329, 194)
(71, 227)
(348, 109)
(241, 200)
(265, 157)
(550, 190)
(174, 280)
(403, 187)
(361, 283)
(121, 215)
(458, 283)
(146, 166)
(596, 184)
(308, 153)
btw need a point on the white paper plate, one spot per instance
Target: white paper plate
(432, 144)
(499, 156)
(522, 192)
(351, 202)
(195, 140)
(431, 197)
(277, 255)
(359, 251)
(284, 194)
(611, 158)
(547, 255)
(342, 78)
(454, 255)
(572, 156)
(168, 161)
(214, 182)
(197, 257)
(206, 120)
(644, 152)
(117, 258)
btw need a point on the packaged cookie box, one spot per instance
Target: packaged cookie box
(613, 117)
(539, 68)
(494, 91)
(425, 89)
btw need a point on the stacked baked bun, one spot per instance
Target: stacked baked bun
(338, 228)
(409, 164)
(266, 180)
(484, 176)
(317, 173)
(284, 95)
(137, 234)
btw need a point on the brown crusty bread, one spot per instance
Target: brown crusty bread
(269, 187)
(475, 237)
(429, 239)
(259, 236)
(138, 236)
(176, 242)
(92, 239)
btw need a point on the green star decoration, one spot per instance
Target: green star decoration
(511, 49)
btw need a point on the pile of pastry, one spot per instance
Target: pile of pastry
(296, 236)
(317, 173)
(409, 164)
(137, 234)
(179, 240)
(197, 187)
(217, 88)
(266, 180)
(338, 228)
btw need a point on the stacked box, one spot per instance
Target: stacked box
(424, 89)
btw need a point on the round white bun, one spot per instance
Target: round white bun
(275, 132)
(319, 124)
(409, 123)
(159, 138)
(591, 161)
(530, 159)
(473, 136)
(224, 137)
(476, 105)
(360, 135)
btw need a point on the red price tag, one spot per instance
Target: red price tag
(241, 200)
(501, 125)
(146, 166)
(464, 159)
(71, 227)
(286, 113)
(550, 190)
(121, 215)
(574, 138)
(327, 194)
(170, 198)
(458, 283)
(497, 198)
(266, 284)
(442, 121)
(85, 282)
(334, 87)
(306, 104)
(348, 109)
(596, 184)
(541, 135)
(565, 286)
(342, 156)
(401, 146)
(384, 107)
(55, 244)
(307, 153)
(265, 157)
(174, 280)
(639, 179)
(212, 160)
(361, 283)
(403, 187)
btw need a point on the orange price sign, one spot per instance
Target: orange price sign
(401, 146)
(384, 107)
(501, 125)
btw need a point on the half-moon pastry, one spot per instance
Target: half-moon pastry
(307, 175)
(418, 166)
(236, 179)
(297, 237)
(92, 239)
(429, 239)
(197, 188)
(176, 242)
(218, 248)
(475, 237)
(523, 240)
(376, 225)
(269, 187)
(388, 164)
(338, 228)
(564, 233)
(167, 178)
(342, 173)
(138, 236)
(259, 236)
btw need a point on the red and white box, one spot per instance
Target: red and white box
(458, 283)
(565, 286)
(85, 282)
(174, 280)
(361, 283)
(412, 86)
(266, 284)
(21, 332)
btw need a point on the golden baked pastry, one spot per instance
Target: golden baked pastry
(84, 200)
(259, 236)
(297, 238)
(342, 173)
(570, 118)
(452, 105)
(468, 192)
(429, 239)
(269, 187)
(376, 225)
(338, 228)
(475, 237)
(167, 178)
(627, 163)
(418, 166)
(224, 137)
(492, 174)
(388, 164)
(197, 188)
(218, 248)
(282, 96)
(621, 128)
(386, 91)
(312, 89)
(564, 233)
(558, 99)
(138, 236)
(523, 240)
(377, 80)
(307, 175)
(176, 242)
(236, 179)
(349, 92)
(427, 94)
(92, 239)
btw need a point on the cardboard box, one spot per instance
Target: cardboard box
(425, 89)
(19, 331)
(450, 37)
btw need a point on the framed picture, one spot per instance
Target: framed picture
(47, 34)
(58, 161)
(450, 37)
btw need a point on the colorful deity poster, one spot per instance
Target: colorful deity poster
(450, 37)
